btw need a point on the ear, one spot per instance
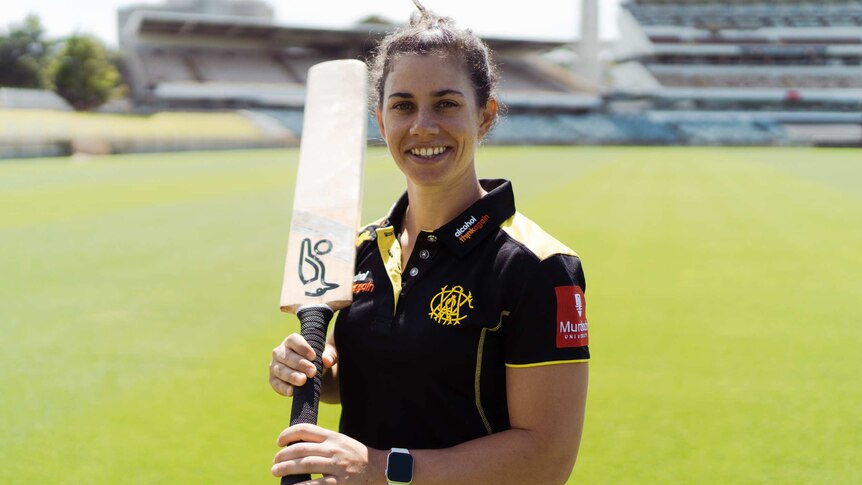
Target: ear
(379, 115)
(489, 113)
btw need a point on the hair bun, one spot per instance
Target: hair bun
(420, 7)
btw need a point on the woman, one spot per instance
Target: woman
(463, 356)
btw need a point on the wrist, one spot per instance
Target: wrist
(377, 466)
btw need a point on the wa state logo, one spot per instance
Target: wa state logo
(446, 305)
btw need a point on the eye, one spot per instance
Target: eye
(402, 106)
(447, 104)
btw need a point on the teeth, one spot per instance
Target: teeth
(428, 151)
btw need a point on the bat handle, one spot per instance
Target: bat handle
(313, 322)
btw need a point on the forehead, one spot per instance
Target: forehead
(420, 74)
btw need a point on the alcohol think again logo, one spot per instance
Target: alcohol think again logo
(446, 306)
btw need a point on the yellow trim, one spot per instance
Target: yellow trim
(477, 380)
(542, 364)
(528, 233)
(390, 251)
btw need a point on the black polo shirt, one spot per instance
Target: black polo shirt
(423, 350)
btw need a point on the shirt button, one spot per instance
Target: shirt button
(432, 238)
(414, 271)
(424, 254)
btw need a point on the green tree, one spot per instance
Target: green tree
(23, 55)
(82, 73)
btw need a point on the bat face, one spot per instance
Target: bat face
(327, 200)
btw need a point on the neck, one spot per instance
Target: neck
(433, 206)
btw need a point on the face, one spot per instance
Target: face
(431, 121)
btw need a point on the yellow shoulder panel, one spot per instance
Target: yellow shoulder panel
(528, 233)
(367, 230)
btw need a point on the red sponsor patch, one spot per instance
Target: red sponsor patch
(571, 317)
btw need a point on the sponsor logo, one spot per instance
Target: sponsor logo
(572, 326)
(363, 283)
(312, 269)
(470, 227)
(446, 305)
(361, 276)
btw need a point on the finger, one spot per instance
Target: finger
(300, 466)
(295, 451)
(295, 358)
(292, 361)
(280, 386)
(287, 375)
(298, 344)
(302, 432)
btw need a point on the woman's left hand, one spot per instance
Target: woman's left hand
(339, 458)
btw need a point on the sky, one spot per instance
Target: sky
(534, 19)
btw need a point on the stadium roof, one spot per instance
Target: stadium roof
(144, 23)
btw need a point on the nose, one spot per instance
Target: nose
(425, 123)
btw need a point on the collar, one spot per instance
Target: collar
(470, 227)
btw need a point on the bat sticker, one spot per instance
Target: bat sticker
(311, 265)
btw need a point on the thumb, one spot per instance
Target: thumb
(330, 357)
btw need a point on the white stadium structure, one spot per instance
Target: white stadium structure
(792, 66)
(684, 71)
(233, 55)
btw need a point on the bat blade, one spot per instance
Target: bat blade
(326, 209)
(321, 250)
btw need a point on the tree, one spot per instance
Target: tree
(82, 73)
(23, 54)
(375, 19)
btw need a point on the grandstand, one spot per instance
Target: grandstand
(684, 72)
(182, 58)
(786, 57)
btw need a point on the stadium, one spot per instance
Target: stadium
(681, 73)
(705, 165)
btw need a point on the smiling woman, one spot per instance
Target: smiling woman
(463, 356)
(433, 124)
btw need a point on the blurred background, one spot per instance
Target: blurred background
(577, 72)
(701, 156)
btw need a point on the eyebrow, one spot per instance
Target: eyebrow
(436, 94)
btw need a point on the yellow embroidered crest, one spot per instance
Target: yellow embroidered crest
(446, 305)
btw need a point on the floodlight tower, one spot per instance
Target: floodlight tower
(588, 67)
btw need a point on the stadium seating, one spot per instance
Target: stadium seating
(162, 65)
(782, 57)
(238, 66)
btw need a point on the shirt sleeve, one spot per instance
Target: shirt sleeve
(548, 323)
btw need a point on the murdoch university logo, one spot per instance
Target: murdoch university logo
(311, 267)
(446, 305)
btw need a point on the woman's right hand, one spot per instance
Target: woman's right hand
(292, 363)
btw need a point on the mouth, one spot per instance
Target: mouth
(428, 153)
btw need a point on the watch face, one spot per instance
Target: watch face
(399, 468)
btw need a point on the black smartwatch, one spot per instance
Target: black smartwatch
(399, 467)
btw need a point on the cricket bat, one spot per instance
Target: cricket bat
(321, 250)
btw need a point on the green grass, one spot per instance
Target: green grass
(138, 305)
(42, 124)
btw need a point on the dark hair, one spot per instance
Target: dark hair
(429, 33)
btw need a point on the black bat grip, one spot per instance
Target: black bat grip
(313, 322)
